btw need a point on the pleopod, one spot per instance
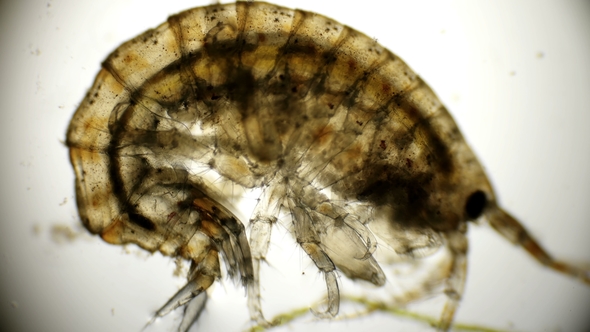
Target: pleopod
(326, 124)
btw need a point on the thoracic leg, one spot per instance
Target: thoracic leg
(309, 241)
(259, 241)
(264, 217)
(455, 282)
(427, 286)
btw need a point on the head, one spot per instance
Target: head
(430, 179)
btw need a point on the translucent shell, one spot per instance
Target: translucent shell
(330, 126)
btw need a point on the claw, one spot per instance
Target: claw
(333, 297)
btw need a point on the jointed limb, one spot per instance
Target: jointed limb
(455, 282)
(309, 241)
(265, 215)
(260, 239)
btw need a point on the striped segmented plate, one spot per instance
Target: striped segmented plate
(326, 123)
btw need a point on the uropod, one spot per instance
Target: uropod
(327, 124)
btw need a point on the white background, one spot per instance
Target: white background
(515, 75)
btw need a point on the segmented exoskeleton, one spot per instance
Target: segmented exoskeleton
(332, 126)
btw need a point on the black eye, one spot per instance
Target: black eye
(475, 204)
